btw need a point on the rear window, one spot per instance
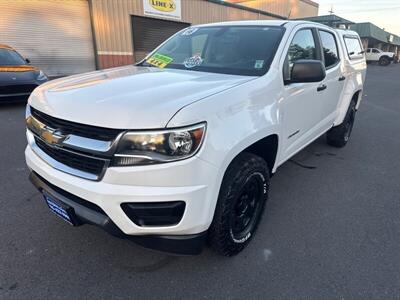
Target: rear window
(354, 48)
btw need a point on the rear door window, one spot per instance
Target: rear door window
(354, 48)
(330, 48)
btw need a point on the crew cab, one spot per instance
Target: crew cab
(378, 55)
(180, 148)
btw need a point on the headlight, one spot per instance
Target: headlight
(152, 147)
(41, 76)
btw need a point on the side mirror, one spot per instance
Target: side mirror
(27, 60)
(307, 70)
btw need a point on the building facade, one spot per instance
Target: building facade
(125, 31)
(65, 37)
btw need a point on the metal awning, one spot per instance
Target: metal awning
(371, 31)
(329, 20)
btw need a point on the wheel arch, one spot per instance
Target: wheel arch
(357, 98)
(355, 95)
(266, 148)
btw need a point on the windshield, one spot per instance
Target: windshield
(238, 50)
(10, 58)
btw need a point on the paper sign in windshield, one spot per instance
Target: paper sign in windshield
(193, 61)
(159, 60)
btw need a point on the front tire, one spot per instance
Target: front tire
(338, 136)
(384, 61)
(240, 205)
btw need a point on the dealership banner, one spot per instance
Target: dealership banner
(163, 8)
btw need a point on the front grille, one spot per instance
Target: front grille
(17, 88)
(86, 164)
(68, 127)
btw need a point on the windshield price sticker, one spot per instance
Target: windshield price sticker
(159, 60)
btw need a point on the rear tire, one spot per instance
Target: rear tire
(240, 205)
(338, 136)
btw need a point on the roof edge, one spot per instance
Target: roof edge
(242, 7)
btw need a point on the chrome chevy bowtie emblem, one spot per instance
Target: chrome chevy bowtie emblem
(51, 136)
(14, 78)
(47, 134)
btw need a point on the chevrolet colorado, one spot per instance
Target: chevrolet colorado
(179, 149)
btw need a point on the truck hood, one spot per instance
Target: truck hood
(128, 97)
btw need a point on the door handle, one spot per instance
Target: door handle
(321, 87)
(341, 78)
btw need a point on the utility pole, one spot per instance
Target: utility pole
(331, 11)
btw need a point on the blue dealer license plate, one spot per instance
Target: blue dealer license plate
(57, 208)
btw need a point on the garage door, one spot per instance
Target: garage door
(148, 33)
(55, 35)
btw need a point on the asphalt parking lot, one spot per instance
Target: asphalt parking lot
(331, 229)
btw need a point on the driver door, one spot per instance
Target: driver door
(301, 104)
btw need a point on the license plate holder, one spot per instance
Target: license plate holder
(61, 209)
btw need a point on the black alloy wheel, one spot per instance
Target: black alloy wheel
(247, 207)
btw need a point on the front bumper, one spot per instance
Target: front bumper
(193, 181)
(87, 213)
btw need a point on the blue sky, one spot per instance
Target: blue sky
(383, 13)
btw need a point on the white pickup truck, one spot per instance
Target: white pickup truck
(180, 148)
(378, 55)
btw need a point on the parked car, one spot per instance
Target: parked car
(17, 77)
(181, 147)
(377, 55)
